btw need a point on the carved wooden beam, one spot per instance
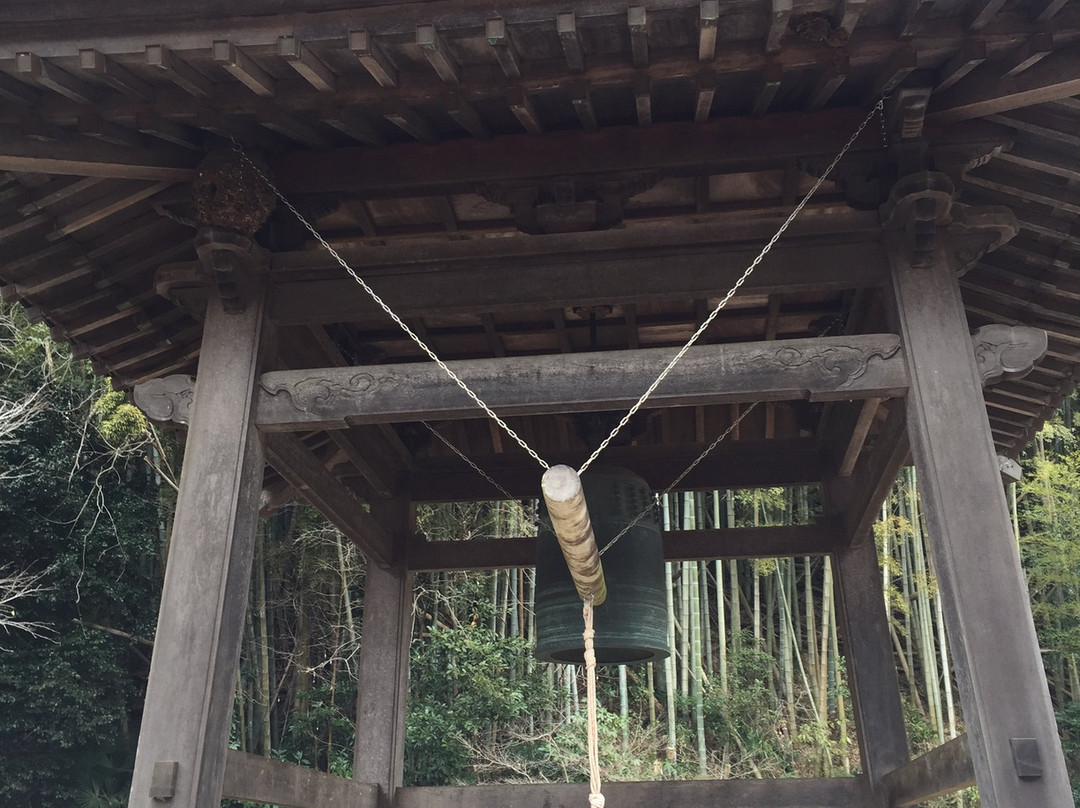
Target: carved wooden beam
(1007, 352)
(167, 399)
(830, 368)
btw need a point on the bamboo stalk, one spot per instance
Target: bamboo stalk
(565, 500)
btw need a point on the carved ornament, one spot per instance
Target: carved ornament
(167, 399)
(840, 363)
(314, 393)
(228, 257)
(1007, 351)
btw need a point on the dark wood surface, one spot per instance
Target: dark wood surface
(943, 770)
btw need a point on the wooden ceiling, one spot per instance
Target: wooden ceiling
(541, 179)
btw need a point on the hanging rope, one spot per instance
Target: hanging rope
(596, 799)
(735, 287)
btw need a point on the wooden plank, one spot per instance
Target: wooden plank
(825, 369)
(1003, 696)
(963, 62)
(253, 778)
(306, 473)
(89, 158)
(782, 541)
(943, 770)
(984, 92)
(471, 279)
(382, 679)
(1028, 54)
(858, 436)
(192, 684)
(106, 206)
(733, 464)
(681, 148)
(826, 792)
(875, 688)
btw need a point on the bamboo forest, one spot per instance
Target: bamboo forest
(755, 687)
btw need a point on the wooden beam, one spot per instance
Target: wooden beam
(963, 62)
(733, 464)
(708, 15)
(466, 116)
(313, 69)
(566, 26)
(433, 46)
(93, 125)
(521, 104)
(353, 124)
(150, 123)
(549, 273)
(767, 88)
(983, 11)
(94, 62)
(1043, 11)
(706, 91)
(636, 20)
(858, 436)
(179, 72)
(373, 59)
(903, 61)
(89, 158)
(643, 99)
(409, 121)
(306, 473)
(1038, 47)
(826, 792)
(943, 770)
(912, 17)
(15, 91)
(244, 68)
(825, 369)
(851, 12)
(984, 92)
(780, 12)
(498, 37)
(828, 82)
(53, 78)
(277, 120)
(820, 538)
(583, 106)
(120, 199)
(253, 778)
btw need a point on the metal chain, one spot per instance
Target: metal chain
(390, 312)
(734, 425)
(462, 455)
(735, 287)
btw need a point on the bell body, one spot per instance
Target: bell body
(631, 625)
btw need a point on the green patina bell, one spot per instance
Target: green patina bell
(631, 625)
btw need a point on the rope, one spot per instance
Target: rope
(390, 312)
(680, 478)
(735, 287)
(596, 799)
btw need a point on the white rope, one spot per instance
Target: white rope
(680, 478)
(596, 799)
(391, 313)
(731, 292)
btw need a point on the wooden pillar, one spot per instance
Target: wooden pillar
(875, 689)
(379, 752)
(189, 699)
(1015, 747)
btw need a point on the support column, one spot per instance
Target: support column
(875, 689)
(189, 698)
(379, 752)
(1010, 721)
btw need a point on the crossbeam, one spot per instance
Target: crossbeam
(821, 538)
(257, 779)
(824, 369)
(943, 770)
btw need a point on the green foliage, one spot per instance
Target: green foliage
(119, 422)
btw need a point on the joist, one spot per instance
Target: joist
(244, 68)
(106, 69)
(313, 69)
(373, 58)
(179, 72)
(53, 78)
(435, 50)
(502, 46)
(89, 158)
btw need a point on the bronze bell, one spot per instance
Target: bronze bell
(631, 625)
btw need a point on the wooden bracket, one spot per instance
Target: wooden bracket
(167, 399)
(228, 257)
(1007, 352)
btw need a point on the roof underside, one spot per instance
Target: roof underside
(537, 182)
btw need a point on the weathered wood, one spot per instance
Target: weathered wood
(89, 158)
(382, 680)
(257, 779)
(943, 770)
(830, 368)
(733, 464)
(506, 54)
(434, 48)
(985, 92)
(858, 436)
(708, 15)
(1004, 696)
(967, 59)
(192, 682)
(875, 688)
(296, 463)
(820, 538)
(827, 792)
(313, 69)
(244, 68)
(371, 56)
(179, 72)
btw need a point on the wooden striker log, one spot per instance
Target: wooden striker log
(570, 519)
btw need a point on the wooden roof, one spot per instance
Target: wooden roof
(542, 179)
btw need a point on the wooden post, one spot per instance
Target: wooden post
(1015, 747)
(875, 690)
(379, 752)
(189, 699)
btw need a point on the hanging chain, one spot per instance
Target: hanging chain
(735, 287)
(390, 312)
(734, 425)
(506, 494)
